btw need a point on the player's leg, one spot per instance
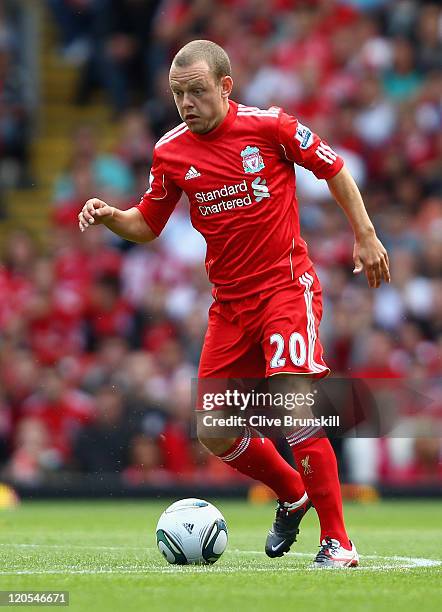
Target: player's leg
(227, 354)
(294, 354)
(317, 464)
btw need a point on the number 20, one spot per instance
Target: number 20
(297, 350)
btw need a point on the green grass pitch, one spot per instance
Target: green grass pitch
(104, 554)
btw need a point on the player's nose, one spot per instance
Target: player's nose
(187, 102)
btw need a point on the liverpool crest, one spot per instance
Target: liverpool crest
(306, 465)
(252, 159)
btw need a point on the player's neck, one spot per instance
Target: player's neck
(220, 124)
(222, 115)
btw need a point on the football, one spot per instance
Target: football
(191, 531)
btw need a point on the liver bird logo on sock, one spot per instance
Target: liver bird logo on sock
(306, 465)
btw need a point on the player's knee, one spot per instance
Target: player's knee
(217, 446)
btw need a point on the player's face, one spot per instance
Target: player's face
(202, 102)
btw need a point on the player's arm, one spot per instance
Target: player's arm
(129, 224)
(302, 146)
(368, 253)
(141, 223)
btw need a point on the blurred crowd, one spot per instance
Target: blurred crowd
(17, 98)
(99, 339)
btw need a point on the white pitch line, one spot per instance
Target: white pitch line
(219, 569)
(177, 570)
(410, 563)
(415, 561)
(393, 563)
(79, 546)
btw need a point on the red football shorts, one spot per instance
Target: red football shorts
(266, 334)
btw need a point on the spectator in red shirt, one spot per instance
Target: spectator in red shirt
(63, 411)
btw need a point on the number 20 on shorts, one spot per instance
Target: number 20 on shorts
(297, 350)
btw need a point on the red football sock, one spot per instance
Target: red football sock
(258, 458)
(317, 464)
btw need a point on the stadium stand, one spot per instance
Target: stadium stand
(99, 338)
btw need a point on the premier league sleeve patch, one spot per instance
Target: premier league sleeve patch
(304, 135)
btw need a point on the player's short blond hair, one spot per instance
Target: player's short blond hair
(204, 51)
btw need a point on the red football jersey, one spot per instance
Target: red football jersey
(240, 182)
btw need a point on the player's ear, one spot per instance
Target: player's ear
(226, 86)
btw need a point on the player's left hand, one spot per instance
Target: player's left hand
(369, 254)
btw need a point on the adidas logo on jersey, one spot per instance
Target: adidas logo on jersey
(192, 173)
(189, 527)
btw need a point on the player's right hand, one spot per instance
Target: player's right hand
(95, 211)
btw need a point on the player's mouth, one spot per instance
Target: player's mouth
(191, 117)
